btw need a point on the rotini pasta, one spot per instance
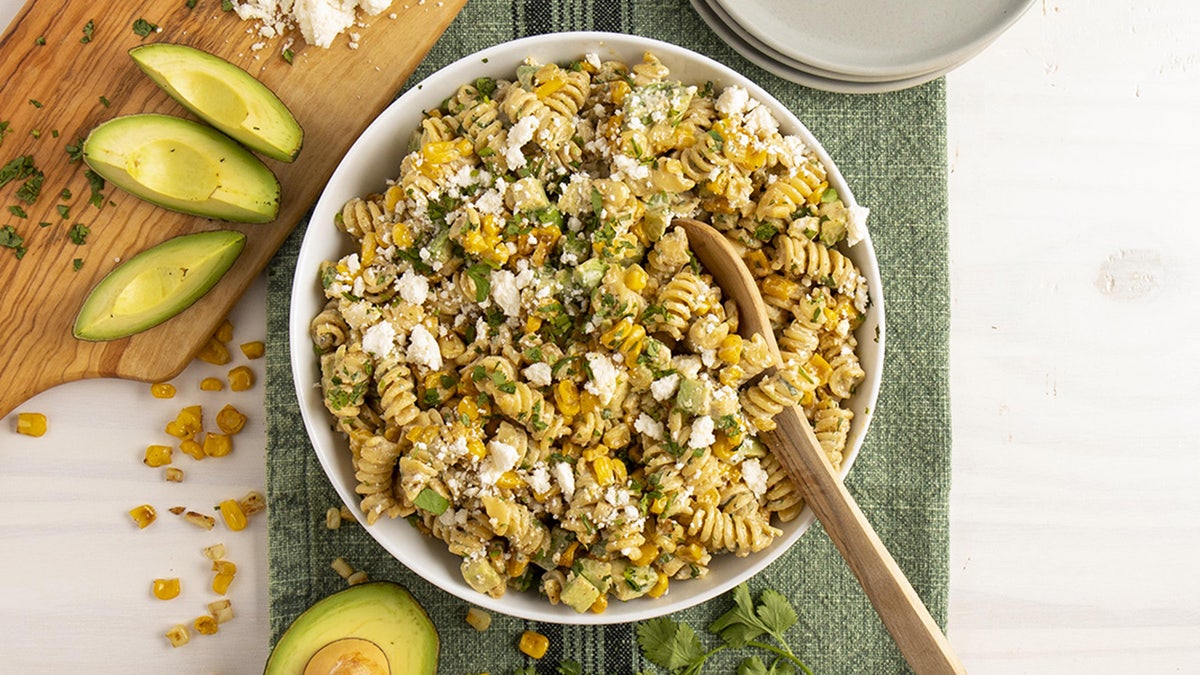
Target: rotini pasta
(531, 365)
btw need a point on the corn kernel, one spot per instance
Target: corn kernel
(820, 367)
(214, 552)
(333, 518)
(566, 395)
(690, 552)
(31, 424)
(187, 423)
(477, 448)
(757, 261)
(192, 449)
(479, 619)
(533, 645)
(659, 505)
(730, 350)
(509, 480)
(646, 554)
(342, 567)
(368, 249)
(393, 196)
(602, 467)
(211, 384)
(221, 610)
(224, 567)
(660, 586)
(230, 420)
(241, 378)
(620, 473)
(589, 403)
(166, 589)
(217, 445)
(177, 510)
(215, 352)
(143, 515)
(253, 502)
(567, 557)
(780, 287)
(224, 332)
(516, 567)
(157, 455)
(232, 514)
(600, 604)
(178, 635)
(162, 390)
(636, 278)
(173, 474)
(200, 520)
(533, 324)
(618, 90)
(723, 447)
(205, 625)
(253, 350)
(359, 577)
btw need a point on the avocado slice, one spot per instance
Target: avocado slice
(225, 96)
(157, 284)
(377, 626)
(183, 166)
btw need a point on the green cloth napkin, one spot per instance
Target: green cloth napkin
(891, 148)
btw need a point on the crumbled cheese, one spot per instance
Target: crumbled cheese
(538, 374)
(664, 387)
(566, 479)
(733, 101)
(423, 348)
(629, 167)
(505, 292)
(856, 224)
(755, 477)
(319, 21)
(702, 433)
(501, 457)
(592, 59)
(413, 287)
(520, 134)
(648, 426)
(380, 339)
(539, 480)
(761, 122)
(490, 202)
(604, 377)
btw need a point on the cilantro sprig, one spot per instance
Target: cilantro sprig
(676, 646)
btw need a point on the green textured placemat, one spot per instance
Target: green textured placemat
(891, 148)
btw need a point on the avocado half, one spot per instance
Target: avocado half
(375, 628)
(184, 166)
(225, 96)
(157, 284)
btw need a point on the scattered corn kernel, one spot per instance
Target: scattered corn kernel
(660, 586)
(31, 424)
(221, 582)
(187, 423)
(253, 350)
(241, 378)
(533, 644)
(333, 518)
(162, 390)
(347, 514)
(166, 589)
(192, 449)
(224, 332)
(566, 395)
(253, 502)
(157, 455)
(636, 278)
(342, 567)
(479, 619)
(232, 514)
(214, 552)
(359, 577)
(177, 510)
(599, 605)
(217, 445)
(205, 625)
(200, 520)
(215, 352)
(173, 474)
(230, 420)
(221, 610)
(143, 515)
(178, 635)
(211, 384)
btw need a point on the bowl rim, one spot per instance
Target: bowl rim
(373, 143)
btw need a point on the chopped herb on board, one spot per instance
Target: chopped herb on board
(32, 187)
(40, 41)
(18, 211)
(289, 56)
(64, 211)
(4, 130)
(10, 239)
(78, 234)
(226, 5)
(191, 4)
(77, 264)
(89, 29)
(16, 169)
(104, 101)
(75, 152)
(97, 185)
(35, 103)
(143, 28)
(65, 194)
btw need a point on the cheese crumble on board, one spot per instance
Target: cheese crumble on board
(319, 21)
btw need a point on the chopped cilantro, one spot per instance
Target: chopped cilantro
(97, 184)
(16, 169)
(17, 211)
(35, 103)
(40, 41)
(32, 187)
(226, 5)
(143, 28)
(89, 30)
(65, 194)
(10, 239)
(289, 56)
(104, 101)
(190, 4)
(78, 234)
(44, 223)
(486, 86)
(77, 264)
(75, 152)
(481, 275)
(4, 130)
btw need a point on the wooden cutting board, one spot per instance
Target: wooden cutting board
(56, 85)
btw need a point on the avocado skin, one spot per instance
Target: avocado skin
(206, 255)
(382, 612)
(244, 189)
(268, 127)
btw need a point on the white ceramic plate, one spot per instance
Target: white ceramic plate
(877, 38)
(375, 157)
(728, 32)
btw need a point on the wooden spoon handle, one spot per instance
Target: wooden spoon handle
(904, 615)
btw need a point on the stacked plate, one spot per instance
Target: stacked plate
(859, 46)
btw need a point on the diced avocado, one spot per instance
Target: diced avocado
(184, 166)
(157, 284)
(375, 628)
(591, 273)
(632, 581)
(693, 396)
(579, 594)
(599, 572)
(480, 575)
(225, 96)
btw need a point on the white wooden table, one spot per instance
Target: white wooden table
(1074, 152)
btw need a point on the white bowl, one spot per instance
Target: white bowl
(375, 157)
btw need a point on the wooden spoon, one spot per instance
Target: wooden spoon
(793, 442)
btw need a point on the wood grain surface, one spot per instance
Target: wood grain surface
(56, 85)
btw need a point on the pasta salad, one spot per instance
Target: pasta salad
(529, 363)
